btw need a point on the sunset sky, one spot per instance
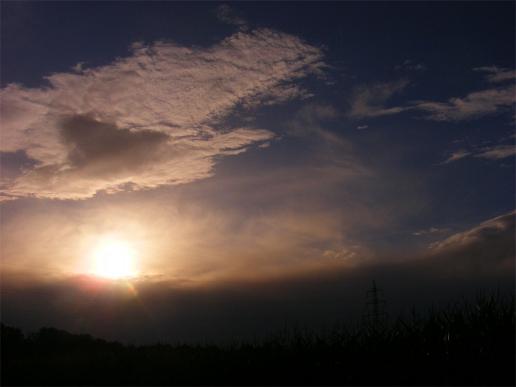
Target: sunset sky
(258, 163)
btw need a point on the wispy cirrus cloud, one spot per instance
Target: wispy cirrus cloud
(410, 65)
(478, 103)
(482, 250)
(493, 152)
(150, 119)
(430, 231)
(369, 100)
(309, 122)
(473, 105)
(229, 15)
(490, 235)
(497, 74)
(497, 152)
(456, 155)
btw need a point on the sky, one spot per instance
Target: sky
(260, 163)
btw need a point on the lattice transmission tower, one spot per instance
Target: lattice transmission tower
(375, 304)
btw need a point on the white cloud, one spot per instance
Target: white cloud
(150, 119)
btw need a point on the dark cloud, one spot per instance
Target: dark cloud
(14, 163)
(97, 148)
(479, 258)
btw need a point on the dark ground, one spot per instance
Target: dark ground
(468, 343)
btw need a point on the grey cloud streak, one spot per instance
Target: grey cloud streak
(161, 107)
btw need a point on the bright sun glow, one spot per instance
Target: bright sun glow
(114, 259)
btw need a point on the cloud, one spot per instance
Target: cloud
(210, 230)
(228, 15)
(481, 258)
(485, 250)
(361, 127)
(312, 115)
(150, 119)
(494, 236)
(473, 105)
(488, 249)
(282, 93)
(497, 152)
(430, 231)
(350, 253)
(410, 65)
(497, 74)
(79, 67)
(309, 122)
(368, 101)
(456, 155)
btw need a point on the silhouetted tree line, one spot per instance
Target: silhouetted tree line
(468, 343)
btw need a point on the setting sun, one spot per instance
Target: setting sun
(114, 259)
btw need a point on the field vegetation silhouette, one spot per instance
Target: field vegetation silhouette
(464, 343)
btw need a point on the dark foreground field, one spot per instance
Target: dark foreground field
(469, 343)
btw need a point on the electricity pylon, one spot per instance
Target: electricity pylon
(375, 303)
